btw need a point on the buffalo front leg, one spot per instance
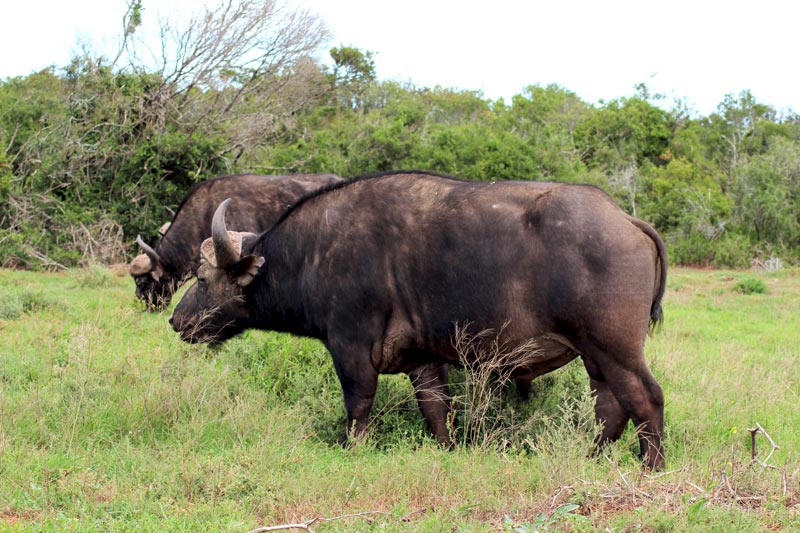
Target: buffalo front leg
(433, 397)
(359, 382)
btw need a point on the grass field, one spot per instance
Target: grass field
(109, 423)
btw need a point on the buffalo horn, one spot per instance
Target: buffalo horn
(152, 254)
(226, 254)
(169, 211)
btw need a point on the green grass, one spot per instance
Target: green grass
(109, 423)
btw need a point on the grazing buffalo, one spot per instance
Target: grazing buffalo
(259, 203)
(383, 269)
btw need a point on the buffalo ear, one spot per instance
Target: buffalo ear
(248, 240)
(157, 272)
(246, 269)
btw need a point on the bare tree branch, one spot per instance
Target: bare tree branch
(755, 431)
(306, 526)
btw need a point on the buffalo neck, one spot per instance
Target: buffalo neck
(180, 256)
(276, 294)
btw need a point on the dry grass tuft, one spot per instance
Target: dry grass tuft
(490, 364)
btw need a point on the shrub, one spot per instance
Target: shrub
(732, 251)
(10, 307)
(750, 286)
(14, 304)
(689, 250)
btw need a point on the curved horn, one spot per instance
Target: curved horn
(224, 251)
(152, 254)
(169, 211)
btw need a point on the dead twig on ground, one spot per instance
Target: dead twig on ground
(306, 526)
(755, 431)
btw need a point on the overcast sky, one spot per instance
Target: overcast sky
(697, 51)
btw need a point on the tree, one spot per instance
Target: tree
(624, 132)
(353, 72)
(546, 118)
(683, 197)
(120, 139)
(732, 132)
(766, 194)
(234, 66)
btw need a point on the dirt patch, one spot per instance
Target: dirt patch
(11, 517)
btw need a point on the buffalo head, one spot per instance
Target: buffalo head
(214, 308)
(154, 283)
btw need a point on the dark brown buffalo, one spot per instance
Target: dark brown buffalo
(259, 203)
(382, 270)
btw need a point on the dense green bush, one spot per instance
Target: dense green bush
(694, 249)
(732, 250)
(92, 155)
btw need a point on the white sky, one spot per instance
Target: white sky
(696, 50)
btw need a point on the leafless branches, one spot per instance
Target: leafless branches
(241, 65)
(747, 485)
(306, 526)
(229, 44)
(101, 242)
(626, 181)
(753, 433)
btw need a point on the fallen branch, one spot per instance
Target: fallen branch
(753, 432)
(306, 526)
(46, 261)
(663, 474)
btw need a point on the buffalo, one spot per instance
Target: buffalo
(260, 202)
(385, 268)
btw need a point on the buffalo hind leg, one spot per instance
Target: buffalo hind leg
(643, 398)
(608, 411)
(636, 391)
(433, 397)
(524, 388)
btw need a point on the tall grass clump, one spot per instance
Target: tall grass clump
(491, 415)
(298, 373)
(94, 276)
(489, 364)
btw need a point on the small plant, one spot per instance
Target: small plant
(35, 301)
(543, 522)
(10, 307)
(750, 286)
(94, 276)
(14, 304)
